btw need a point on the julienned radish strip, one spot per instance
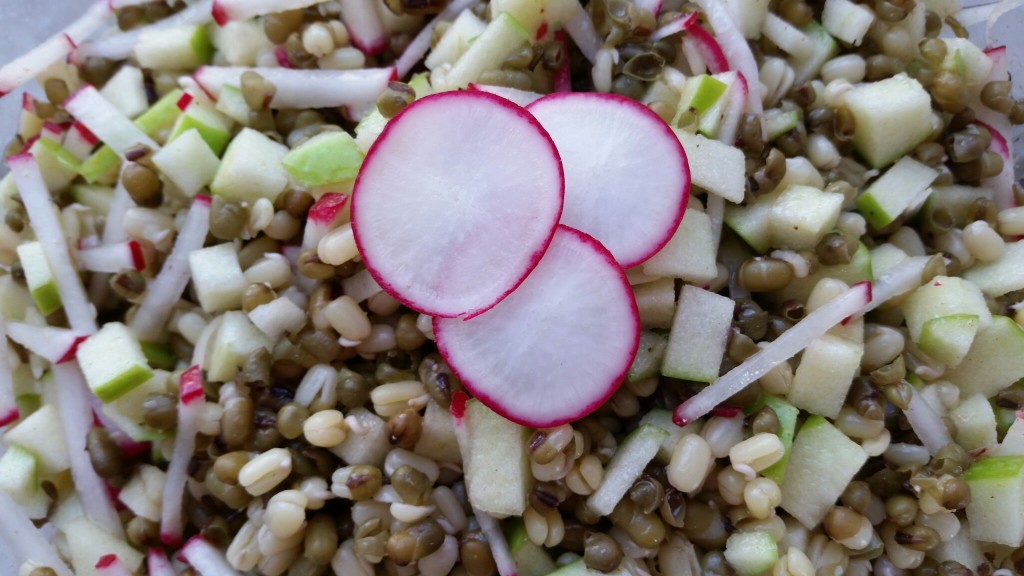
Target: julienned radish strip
(305, 88)
(781, 349)
(364, 25)
(30, 64)
(733, 114)
(1001, 129)
(716, 213)
(72, 399)
(419, 46)
(701, 41)
(41, 214)
(55, 345)
(157, 563)
(104, 120)
(206, 559)
(111, 565)
(928, 426)
(562, 81)
(113, 232)
(683, 22)
(737, 53)
(163, 292)
(112, 258)
(26, 542)
(191, 399)
(118, 4)
(8, 407)
(581, 28)
(120, 46)
(323, 215)
(225, 11)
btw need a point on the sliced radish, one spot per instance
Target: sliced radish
(419, 46)
(53, 131)
(191, 397)
(111, 565)
(29, 65)
(8, 407)
(80, 141)
(112, 258)
(626, 177)
(701, 42)
(324, 214)
(55, 345)
(97, 114)
(157, 563)
(514, 95)
(48, 231)
(556, 348)
(562, 81)
(72, 400)
(581, 28)
(25, 541)
(120, 46)
(225, 11)
(364, 25)
(206, 558)
(163, 292)
(456, 202)
(305, 88)
(928, 426)
(779, 350)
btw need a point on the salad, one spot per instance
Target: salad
(519, 287)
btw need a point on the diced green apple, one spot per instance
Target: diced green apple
(802, 215)
(231, 345)
(689, 253)
(42, 435)
(700, 93)
(827, 368)
(437, 438)
(188, 162)
(19, 474)
(328, 158)
(821, 465)
(806, 68)
(952, 309)
(503, 36)
(714, 166)
(751, 553)
(787, 415)
(846, 20)
(961, 548)
(217, 277)
(240, 41)
(251, 168)
(95, 197)
(39, 277)
(142, 493)
(710, 108)
(948, 338)
(892, 116)
(656, 302)
(496, 462)
(87, 543)
(752, 221)
(529, 13)
(967, 61)
(996, 509)
(231, 103)
(625, 467)
(530, 559)
(885, 257)
(126, 90)
(649, 356)
(371, 445)
(995, 361)
(455, 40)
(778, 122)
(1002, 275)
(112, 362)
(896, 191)
(700, 331)
(174, 48)
(59, 167)
(128, 412)
(975, 423)
(213, 126)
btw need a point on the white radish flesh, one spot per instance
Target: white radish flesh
(206, 559)
(305, 88)
(8, 407)
(419, 46)
(120, 46)
(323, 215)
(157, 563)
(97, 114)
(27, 542)
(457, 242)
(55, 345)
(364, 25)
(556, 348)
(627, 180)
(112, 258)
(190, 406)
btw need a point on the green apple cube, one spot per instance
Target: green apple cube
(656, 302)
(126, 90)
(15, 300)
(161, 116)
(530, 559)
(700, 332)
(949, 338)
(101, 167)
(960, 548)
(802, 215)
(700, 93)
(891, 116)
(188, 162)
(649, 355)
(778, 122)
(232, 343)
(59, 167)
(631, 457)
(496, 462)
(1001, 276)
(240, 42)
(714, 166)
(689, 254)
(94, 197)
(437, 438)
(502, 36)
(42, 434)
(112, 362)
(994, 362)
(455, 40)
(822, 463)
(711, 106)
(944, 296)
(142, 493)
(213, 126)
(975, 423)
(967, 61)
(251, 168)
(752, 222)
(885, 257)
(529, 13)
(1013, 438)
(846, 20)
(87, 543)
(827, 368)
(370, 447)
(996, 509)
(751, 553)
(231, 103)
(19, 474)
(805, 68)
(896, 191)
(217, 277)
(328, 158)
(39, 277)
(173, 48)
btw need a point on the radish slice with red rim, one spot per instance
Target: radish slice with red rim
(456, 202)
(627, 180)
(556, 348)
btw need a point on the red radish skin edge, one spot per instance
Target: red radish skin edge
(138, 258)
(458, 407)
(370, 158)
(563, 76)
(106, 561)
(498, 407)
(11, 415)
(73, 351)
(324, 210)
(184, 101)
(86, 134)
(708, 47)
(191, 385)
(220, 15)
(281, 55)
(27, 103)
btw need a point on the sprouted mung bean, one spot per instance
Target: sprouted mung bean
(329, 446)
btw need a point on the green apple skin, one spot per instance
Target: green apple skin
(328, 158)
(996, 509)
(949, 338)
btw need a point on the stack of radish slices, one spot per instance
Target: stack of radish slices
(511, 227)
